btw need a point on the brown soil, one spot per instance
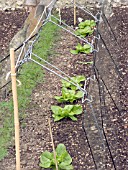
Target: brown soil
(35, 137)
(11, 22)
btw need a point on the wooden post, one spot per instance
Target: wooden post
(74, 12)
(15, 103)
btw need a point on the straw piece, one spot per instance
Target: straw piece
(53, 147)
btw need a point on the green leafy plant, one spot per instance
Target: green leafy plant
(87, 49)
(90, 23)
(68, 111)
(63, 158)
(76, 79)
(84, 32)
(86, 28)
(69, 95)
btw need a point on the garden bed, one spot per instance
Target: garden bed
(35, 137)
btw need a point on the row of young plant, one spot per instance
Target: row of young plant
(70, 93)
(85, 29)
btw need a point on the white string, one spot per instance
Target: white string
(7, 75)
(19, 82)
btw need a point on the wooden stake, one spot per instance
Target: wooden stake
(53, 147)
(74, 12)
(15, 103)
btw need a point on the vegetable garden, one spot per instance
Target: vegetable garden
(76, 118)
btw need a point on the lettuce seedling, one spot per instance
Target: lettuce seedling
(87, 49)
(68, 111)
(63, 158)
(84, 32)
(69, 95)
(76, 79)
(86, 28)
(90, 23)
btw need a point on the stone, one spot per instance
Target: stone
(19, 3)
(10, 4)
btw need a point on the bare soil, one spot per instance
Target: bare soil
(10, 23)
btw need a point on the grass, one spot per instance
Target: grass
(30, 75)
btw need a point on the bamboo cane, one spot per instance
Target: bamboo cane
(15, 103)
(74, 12)
(53, 147)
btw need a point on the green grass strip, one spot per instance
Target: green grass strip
(30, 75)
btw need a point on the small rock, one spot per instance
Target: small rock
(93, 128)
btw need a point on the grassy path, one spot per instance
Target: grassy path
(30, 75)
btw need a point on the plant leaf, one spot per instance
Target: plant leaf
(68, 111)
(87, 22)
(66, 167)
(87, 46)
(60, 149)
(80, 78)
(57, 113)
(82, 32)
(73, 118)
(84, 24)
(79, 94)
(83, 49)
(81, 25)
(68, 108)
(76, 79)
(56, 110)
(92, 23)
(87, 51)
(46, 159)
(57, 118)
(87, 29)
(65, 83)
(68, 95)
(63, 155)
(77, 109)
(59, 98)
(79, 47)
(74, 52)
(63, 158)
